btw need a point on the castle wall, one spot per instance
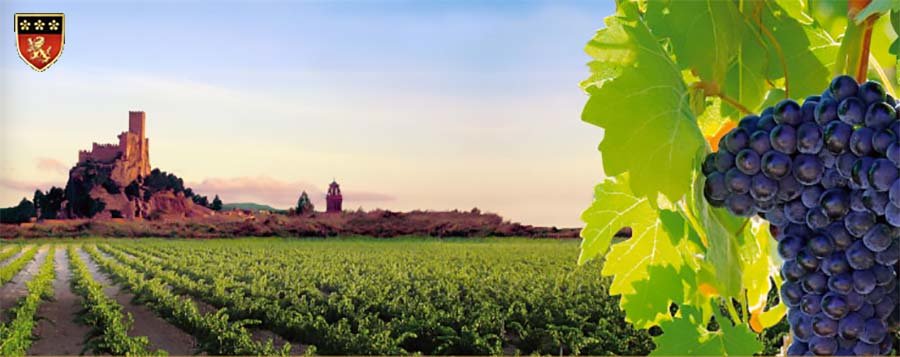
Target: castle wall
(133, 150)
(100, 152)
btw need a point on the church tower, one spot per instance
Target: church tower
(334, 198)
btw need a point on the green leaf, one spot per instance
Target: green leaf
(649, 305)
(746, 79)
(687, 335)
(796, 9)
(704, 33)
(808, 53)
(614, 208)
(644, 110)
(876, 7)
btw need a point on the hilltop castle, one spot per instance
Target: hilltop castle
(132, 152)
(333, 198)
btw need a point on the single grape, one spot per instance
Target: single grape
(776, 165)
(788, 112)
(856, 201)
(764, 206)
(893, 153)
(747, 161)
(834, 306)
(845, 163)
(843, 86)
(709, 164)
(883, 274)
(736, 140)
(858, 223)
(766, 121)
(866, 310)
(808, 170)
(820, 246)
(799, 230)
(873, 332)
(724, 161)
(789, 246)
(840, 283)
(871, 92)
(809, 138)
(788, 189)
(815, 283)
(881, 140)
(883, 174)
(810, 196)
(824, 326)
(759, 142)
(737, 182)
(833, 179)
(811, 304)
(776, 218)
(851, 326)
(885, 307)
(875, 296)
(839, 235)
(836, 264)
(763, 188)
(783, 138)
(861, 141)
(792, 271)
(836, 136)
(802, 330)
(859, 257)
(740, 205)
(748, 123)
(878, 238)
(826, 111)
(808, 111)
(816, 219)
(791, 293)
(795, 212)
(889, 256)
(852, 111)
(854, 301)
(828, 159)
(875, 201)
(807, 260)
(835, 203)
(892, 214)
(864, 281)
(879, 116)
(714, 189)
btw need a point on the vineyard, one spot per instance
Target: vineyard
(311, 296)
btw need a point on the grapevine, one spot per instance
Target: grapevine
(711, 151)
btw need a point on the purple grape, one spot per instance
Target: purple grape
(784, 139)
(808, 169)
(826, 111)
(883, 174)
(747, 161)
(736, 140)
(776, 165)
(878, 238)
(879, 116)
(809, 138)
(842, 87)
(788, 112)
(836, 136)
(851, 111)
(871, 92)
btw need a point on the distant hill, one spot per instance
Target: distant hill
(250, 206)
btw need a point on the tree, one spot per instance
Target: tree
(38, 201)
(304, 205)
(18, 214)
(216, 204)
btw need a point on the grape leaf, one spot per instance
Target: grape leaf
(759, 265)
(796, 9)
(644, 109)
(704, 33)
(687, 335)
(746, 80)
(614, 207)
(649, 305)
(650, 245)
(808, 53)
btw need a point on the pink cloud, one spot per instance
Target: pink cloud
(52, 165)
(274, 192)
(26, 187)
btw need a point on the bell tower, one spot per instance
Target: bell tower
(334, 198)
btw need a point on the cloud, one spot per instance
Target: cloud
(25, 186)
(274, 192)
(52, 165)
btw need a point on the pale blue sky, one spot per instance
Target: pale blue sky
(409, 104)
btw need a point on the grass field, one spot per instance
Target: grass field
(325, 296)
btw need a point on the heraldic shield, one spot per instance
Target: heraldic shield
(40, 38)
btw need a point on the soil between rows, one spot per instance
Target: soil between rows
(57, 331)
(15, 289)
(161, 333)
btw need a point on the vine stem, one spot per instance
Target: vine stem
(711, 88)
(861, 59)
(735, 103)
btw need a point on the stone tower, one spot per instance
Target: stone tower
(140, 152)
(334, 198)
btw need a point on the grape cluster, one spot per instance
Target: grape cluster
(825, 175)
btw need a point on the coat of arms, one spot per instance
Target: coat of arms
(40, 38)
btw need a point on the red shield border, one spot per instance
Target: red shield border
(38, 43)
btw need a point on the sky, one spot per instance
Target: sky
(427, 104)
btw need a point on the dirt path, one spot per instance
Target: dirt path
(161, 333)
(57, 331)
(15, 289)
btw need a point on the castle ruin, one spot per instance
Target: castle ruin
(131, 154)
